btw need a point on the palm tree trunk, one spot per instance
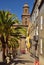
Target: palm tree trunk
(7, 44)
(3, 47)
(6, 49)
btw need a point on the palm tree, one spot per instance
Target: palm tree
(6, 29)
(6, 22)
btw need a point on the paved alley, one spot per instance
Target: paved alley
(23, 59)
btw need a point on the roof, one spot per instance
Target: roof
(25, 5)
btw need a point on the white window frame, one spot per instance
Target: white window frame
(41, 46)
(41, 23)
(34, 16)
(37, 31)
(37, 11)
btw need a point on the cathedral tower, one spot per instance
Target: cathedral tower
(25, 15)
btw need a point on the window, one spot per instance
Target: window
(41, 23)
(25, 10)
(25, 21)
(34, 16)
(37, 31)
(39, 1)
(37, 11)
(41, 46)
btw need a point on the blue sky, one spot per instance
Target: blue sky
(15, 6)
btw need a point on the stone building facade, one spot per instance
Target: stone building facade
(34, 19)
(41, 31)
(37, 17)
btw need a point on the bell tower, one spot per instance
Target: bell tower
(25, 15)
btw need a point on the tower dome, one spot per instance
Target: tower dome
(26, 5)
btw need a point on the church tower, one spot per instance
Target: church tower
(25, 23)
(25, 15)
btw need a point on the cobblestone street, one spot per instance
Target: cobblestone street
(24, 59)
